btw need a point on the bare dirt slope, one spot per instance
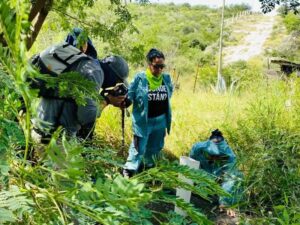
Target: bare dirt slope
(254, 36)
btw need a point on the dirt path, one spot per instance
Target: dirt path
(252, 43)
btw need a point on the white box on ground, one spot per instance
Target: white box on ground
(182, 193)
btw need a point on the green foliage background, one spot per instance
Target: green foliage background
(72, 182)
(288, 48)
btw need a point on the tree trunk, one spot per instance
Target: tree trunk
(40, 8)
(36, 8)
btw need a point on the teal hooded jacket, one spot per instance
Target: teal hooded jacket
(138, 94)
(224, 169)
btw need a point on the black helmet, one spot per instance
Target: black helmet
(119, 66)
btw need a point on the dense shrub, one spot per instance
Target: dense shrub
(187, 30)
(195, 43)
(186, 5)
(292, 22)
(289, 47)
(268, 141)
(242, 74)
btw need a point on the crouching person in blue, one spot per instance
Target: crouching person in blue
(150, 93)
(217, 158)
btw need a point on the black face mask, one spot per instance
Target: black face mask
(110, 79)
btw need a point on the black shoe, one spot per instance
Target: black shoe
(127, 173)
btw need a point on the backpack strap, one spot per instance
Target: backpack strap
(61, 60)
(65, 61)
(71, 56)
(70, 65)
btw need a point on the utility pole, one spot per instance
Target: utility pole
(221, 85)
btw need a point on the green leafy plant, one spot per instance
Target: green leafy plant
(13, 203)
(291, 22)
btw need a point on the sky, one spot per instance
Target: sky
(213, 3)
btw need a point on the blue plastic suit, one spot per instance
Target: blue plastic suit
(149, 132)
(219, 160)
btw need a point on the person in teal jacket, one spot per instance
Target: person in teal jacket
(150, 93)
(217, 158)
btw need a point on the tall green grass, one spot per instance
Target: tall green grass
(195, 111)
(194, 116)
(261, 124)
